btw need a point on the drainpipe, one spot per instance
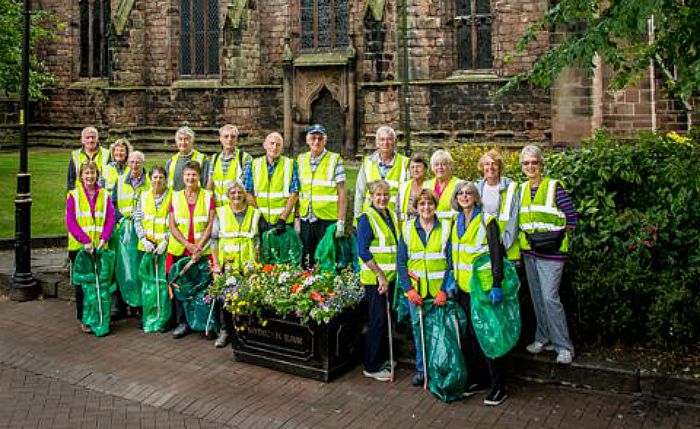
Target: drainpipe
(403, 99)
(652, 72)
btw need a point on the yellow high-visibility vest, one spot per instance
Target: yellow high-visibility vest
(128, 197)
(467, 248)
(444, 207)
(196, 156)
(428, 262)
(236, 244)
(155, 220)
(234, 173)
(272, 193)
(318, 189)
(382, 247)
(200, 219)
(91, 225)
(397, 175)
(542, 213)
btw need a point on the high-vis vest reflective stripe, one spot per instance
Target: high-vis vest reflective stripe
(92, 226)
(402, 198)
(466, 249)
(234, 173)
(382, 247)
(506, 197)
(101, 160)
(155, 221)
(128, 197)
(196, 156)
(236, 245)
(200, 219)
(272, 193)
(428, 262)
(318, 188)
(396, 176)
(112, 176)
(444, 207)
(542, 213)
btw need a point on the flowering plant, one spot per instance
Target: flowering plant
(287, 290)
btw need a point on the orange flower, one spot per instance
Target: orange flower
(317, 297)
(268, 268)
(296, 287)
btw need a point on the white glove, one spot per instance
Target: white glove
(147, 245)
(162, 247)
(340, 229)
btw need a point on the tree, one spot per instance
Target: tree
(621, 33)
(43, 26)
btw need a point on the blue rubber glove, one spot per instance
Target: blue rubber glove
(496, 295)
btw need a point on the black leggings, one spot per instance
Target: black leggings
(78, 289)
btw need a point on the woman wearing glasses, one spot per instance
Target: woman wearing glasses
(547, 216)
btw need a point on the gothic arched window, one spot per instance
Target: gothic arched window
(474, 21)
(324, 24)
(199, 38)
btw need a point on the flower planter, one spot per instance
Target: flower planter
(319, 351)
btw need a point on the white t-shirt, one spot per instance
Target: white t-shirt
(490, 199)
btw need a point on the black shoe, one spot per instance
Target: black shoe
(119, 315)
(418, 379)
(496, 396)
(181, 330)
(473, 389)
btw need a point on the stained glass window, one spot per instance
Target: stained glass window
(324, 24)
(474, 34)
(94, 38)
(199, 38)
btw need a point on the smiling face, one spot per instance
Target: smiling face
(228, 139)
(491, 169)
(316, 143)
(385, 145)
(380, 197)
(184, 143)
(191, 179)
(273, 146)
(466, 198)
(442, 170)
(157, 181)
(236, 196)
(417, 170)
(119, 154)
(89, 141)
(531, 166)
(136, 166)
(89, 177)
(426, 208)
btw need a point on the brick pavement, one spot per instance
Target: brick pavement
(189, 377)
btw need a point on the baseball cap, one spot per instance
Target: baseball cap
(316, 128)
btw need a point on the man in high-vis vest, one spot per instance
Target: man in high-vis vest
(322, 199)
(90, 151)
(228, 166)
(127, 192)
(184, 139)
(272, 184)
(385, 164)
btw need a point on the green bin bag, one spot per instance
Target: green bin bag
(196, 279)
(94, 273)
(447, 370)
(128, 263)
(155, 298)
(285, 248)
(335, 254)
(497, 327)
(201, 315)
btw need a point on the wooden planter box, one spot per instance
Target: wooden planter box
(318, 351)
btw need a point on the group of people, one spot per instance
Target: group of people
(422, 236)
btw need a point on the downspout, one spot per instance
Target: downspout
(404, 100)
(652, 72)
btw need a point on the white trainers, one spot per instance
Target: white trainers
(565, 357)
(537, 347)
(222, 340)
(381, 375)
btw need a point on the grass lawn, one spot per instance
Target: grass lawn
(48, 168)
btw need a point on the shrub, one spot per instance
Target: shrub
(467, 157)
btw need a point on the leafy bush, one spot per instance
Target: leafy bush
(467, 157)
(633, 272)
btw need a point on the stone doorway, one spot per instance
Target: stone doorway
(325, 110)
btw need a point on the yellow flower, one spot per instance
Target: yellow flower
(241, 303)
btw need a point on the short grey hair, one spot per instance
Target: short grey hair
(532, 150)
(458, 188)
(185, 130)
(385, 129)
(137, 154)
(89, 130)
(229, 127)
(377, 185)
(439, 156)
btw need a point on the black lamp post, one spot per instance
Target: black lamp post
(24, 287)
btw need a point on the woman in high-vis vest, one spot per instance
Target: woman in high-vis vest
(234, 244)
(443, 184)
(423, 264)
(500, 197)
(117, 168)
(476, 233)
(90, 222)
(409, 190)
(377, 237)
(127, 193)
(151, 214)
(191, 219)
(547, 216)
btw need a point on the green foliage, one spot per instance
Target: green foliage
(636, 258)
(42, 29)
(617, 31)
